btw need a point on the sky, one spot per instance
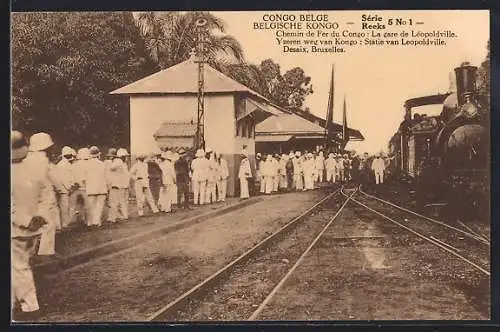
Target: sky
(374, 80)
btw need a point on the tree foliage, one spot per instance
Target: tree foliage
(170, 38)
(63, 67)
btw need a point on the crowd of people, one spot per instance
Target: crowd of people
(53, 190)
(302, 170)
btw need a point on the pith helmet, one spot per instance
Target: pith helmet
(66, 151)
(112, 152)
(19, 147)
(40, 142)
(121, 153)
(94, 151)
(83, 154)
(168, 155)
(200, 153)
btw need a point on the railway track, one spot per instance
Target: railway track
(392, 264)
(259, 271)
(469, 233)
(465, 246)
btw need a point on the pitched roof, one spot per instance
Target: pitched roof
(353, 133)
(288, 123)
(176, 129)
(183, 78)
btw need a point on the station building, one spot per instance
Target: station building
(164, 108)
(297, 130)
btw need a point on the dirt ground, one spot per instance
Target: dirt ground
(82, 238)
(365, 268)
(133, 285)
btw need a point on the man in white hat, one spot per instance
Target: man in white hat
(199, 167)
(244, 173)
(96, 186)
(118, 179)
(309, 172)
(139, 172)
(42, 169)
(123, 182)
(319, 164)
(378, 167)
(330, 168)
(66, 184)
(168, 182)
(282, 172)
(211, 192)
(268, 171)
(222, 176)
(297, 172)
(262, 182)
(80, 196)
(27, 223)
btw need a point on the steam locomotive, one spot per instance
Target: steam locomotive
(446, 157)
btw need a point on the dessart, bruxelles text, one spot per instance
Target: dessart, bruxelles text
(295, 22)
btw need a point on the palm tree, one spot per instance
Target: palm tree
(171, 36)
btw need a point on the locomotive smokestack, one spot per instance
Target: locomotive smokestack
(466, 80)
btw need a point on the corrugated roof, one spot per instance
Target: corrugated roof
(288, 123)
(272, 138)
(176, 129)
(183, 78)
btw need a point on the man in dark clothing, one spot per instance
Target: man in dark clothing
(155, 177)
(355, 169)
(182, 179)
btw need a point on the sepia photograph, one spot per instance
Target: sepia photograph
(221, 166)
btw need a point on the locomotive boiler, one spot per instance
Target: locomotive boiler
(446, 156)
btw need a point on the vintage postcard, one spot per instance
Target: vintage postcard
(250, 166)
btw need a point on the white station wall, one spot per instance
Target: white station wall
(147, 113)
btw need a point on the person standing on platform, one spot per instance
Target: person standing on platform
(245, 173)
(211, 193)
(340, 168)
(80, 200)
(320, 166)
(297, 172)
(116, 173)
(199, 167)
(268, 173)
(65, 185)
(96, 186)
(123, 183)
(309, 172)
(276, 172)
(40, 167)
(222, 176)
(378, 167)
(169, 179)
(330, 168)
(155, 176)
(355, 169)
(139, 172)
(283, 185)
(289, 171)
(181, 167)
(27, 225)
(262, 182)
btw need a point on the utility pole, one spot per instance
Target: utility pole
(201, 30)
